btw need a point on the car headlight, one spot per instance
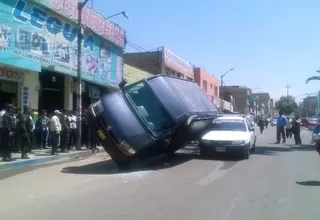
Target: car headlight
(240, 142)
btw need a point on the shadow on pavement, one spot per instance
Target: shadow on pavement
(108, 167)
(309, 183)
(273, 150)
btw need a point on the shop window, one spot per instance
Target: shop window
(205, 85)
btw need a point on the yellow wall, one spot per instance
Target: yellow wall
(133, 74)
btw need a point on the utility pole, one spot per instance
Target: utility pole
(221, 85)
(288, 87)
(79, 77)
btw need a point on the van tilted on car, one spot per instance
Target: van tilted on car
(154, 116)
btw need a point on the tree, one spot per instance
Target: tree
(287, 105)
(312, 78)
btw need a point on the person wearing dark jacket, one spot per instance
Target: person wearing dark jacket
(8, 123)
(296, 130)
(24, 129)
(261, 124)
(65, 131)
(42, 129)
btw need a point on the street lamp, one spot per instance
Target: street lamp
(81, 5)
(221, 82)
(123, 13)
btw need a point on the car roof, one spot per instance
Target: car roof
(232, 117)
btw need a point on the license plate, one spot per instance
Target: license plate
(220, 149)
(101, 135)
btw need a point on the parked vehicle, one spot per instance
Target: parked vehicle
(229, 134)
(304, 122)
(312, 122)
(154, 116)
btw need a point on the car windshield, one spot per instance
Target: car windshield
(145, 104)
(228, 125)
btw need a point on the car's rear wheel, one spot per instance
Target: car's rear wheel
(246, 152)
(253, 149)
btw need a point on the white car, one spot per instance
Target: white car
(229, 134)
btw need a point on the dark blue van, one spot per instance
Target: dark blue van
(157, 115)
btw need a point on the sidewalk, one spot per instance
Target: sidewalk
(38, 157)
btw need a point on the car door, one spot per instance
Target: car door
(252, 132)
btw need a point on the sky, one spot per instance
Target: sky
(269, 43)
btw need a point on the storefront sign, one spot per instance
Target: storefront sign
(10, 75)
(32, 38)
(177, 63)
(90, 18)
(25, 96)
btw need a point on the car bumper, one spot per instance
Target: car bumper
(215, 148)
(106, 137)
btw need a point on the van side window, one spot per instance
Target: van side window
(146, 105)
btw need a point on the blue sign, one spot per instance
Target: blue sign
(33, 38)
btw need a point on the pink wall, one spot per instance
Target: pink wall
(213, 84)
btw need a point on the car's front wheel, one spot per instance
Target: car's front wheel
(246, 152)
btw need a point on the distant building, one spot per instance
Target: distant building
(263, 99)
(163, 61)
(241, 96)
(133, 74)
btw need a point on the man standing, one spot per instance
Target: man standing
(43, 129)
(8, 123)
(64, 135)
(296, 130)
(73, 130)
(55, 128)
(281, 123)
(25, 126)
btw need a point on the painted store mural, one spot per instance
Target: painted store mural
(31, 38)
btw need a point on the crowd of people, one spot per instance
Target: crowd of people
(20, 133)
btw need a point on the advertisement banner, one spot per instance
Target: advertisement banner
(90, 18)
(177, 63)
(31, 38)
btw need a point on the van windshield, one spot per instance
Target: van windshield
(148, 108)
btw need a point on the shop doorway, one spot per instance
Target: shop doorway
(8, 93)
(51, 95)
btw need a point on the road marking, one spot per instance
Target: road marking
(217, 173)
(232, 206)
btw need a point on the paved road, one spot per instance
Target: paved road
(278, 182)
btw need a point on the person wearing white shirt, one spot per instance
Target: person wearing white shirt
(73, 130)
(55, 128)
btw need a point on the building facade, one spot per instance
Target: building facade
(133, 74)
(161, 61)
(263, 102)
(38, 52)
(241, 95)
(208, 83)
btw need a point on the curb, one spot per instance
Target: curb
(46, 159)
